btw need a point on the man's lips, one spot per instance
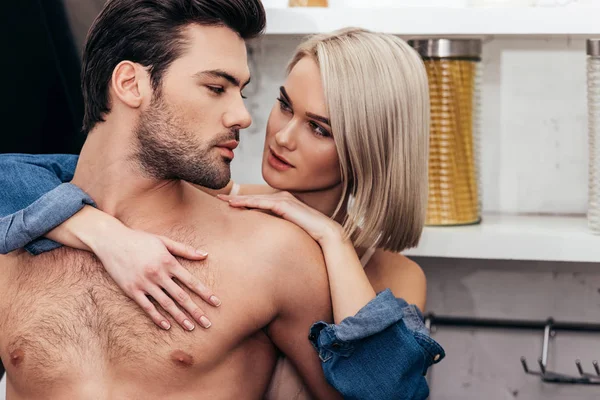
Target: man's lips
(231, 145)
(228, 147)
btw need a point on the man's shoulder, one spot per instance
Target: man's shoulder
(278, 237)
(269, 237)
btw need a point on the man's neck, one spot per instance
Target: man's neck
(108, 171)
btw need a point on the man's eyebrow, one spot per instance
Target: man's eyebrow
(219, 73)
(285, 95)
(318, 118)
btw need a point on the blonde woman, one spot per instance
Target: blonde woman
(345, 158)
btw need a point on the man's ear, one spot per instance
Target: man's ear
(129, 81)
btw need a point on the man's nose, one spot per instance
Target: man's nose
(238, 116)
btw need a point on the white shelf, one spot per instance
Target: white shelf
(549, 238)
(434, 21)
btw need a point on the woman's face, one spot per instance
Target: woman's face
(300, 154)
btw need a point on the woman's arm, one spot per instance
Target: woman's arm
(350, 288)
(140, 263)
(386, 334)
(379, 347)
(383, 352)
(30, 187)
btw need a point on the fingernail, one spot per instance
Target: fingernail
(205, 322)
(165, 325)
(189, 326)
(201, 253)
(215, 300)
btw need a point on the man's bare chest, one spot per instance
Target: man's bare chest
(73, 316)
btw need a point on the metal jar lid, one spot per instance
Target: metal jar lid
(593, 47)
(447, 48)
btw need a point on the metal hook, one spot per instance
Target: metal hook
(528, 371)
(553, 377)
(543, 360)
(586, 375)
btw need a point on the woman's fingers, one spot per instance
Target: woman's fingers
(149, 308)
(286, 206)
(183, 250)
(186, 302)
(169, 306)
(184, 276)
(261, 202)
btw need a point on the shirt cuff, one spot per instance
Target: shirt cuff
(45, 214)
(41, 245)
(380, 313)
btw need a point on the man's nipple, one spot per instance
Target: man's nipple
(16, 357)
(182, 359)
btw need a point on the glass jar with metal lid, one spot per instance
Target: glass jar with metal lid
(453, 69)
(593, 96)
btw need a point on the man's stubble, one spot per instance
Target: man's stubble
(165, 150)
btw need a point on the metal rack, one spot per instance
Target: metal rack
(549, 328)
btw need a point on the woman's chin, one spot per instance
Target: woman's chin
(273, 181)
(276, 180)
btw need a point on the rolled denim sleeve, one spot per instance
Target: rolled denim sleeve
(383, 352)
(35, 198)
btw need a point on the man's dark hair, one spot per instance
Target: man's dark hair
(150, 32)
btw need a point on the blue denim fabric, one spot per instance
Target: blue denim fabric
(35, 198)
(383, 352)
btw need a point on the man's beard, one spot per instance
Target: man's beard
(166, 151)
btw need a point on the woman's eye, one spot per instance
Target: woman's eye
(216, 89)
(319, 130)
(283, 105)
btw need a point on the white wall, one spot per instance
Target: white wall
(485, 363)
(534, 132)
(534, 160)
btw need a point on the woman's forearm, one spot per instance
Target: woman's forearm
(67, 233)
(349, 285)
(80, 230)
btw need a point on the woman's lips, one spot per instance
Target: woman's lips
(278, 162)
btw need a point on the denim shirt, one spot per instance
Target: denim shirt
(383, 352)
(35, 198)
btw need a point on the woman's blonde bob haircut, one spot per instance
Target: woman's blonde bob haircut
(378, 100)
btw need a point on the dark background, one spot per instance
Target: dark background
(41, 107)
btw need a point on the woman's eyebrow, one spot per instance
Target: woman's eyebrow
(318, 118)
(285, 95)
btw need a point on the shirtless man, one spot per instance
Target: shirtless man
(66, 330)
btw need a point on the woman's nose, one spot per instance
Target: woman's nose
(285, 136)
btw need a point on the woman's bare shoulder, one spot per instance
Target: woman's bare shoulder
(399, 273)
